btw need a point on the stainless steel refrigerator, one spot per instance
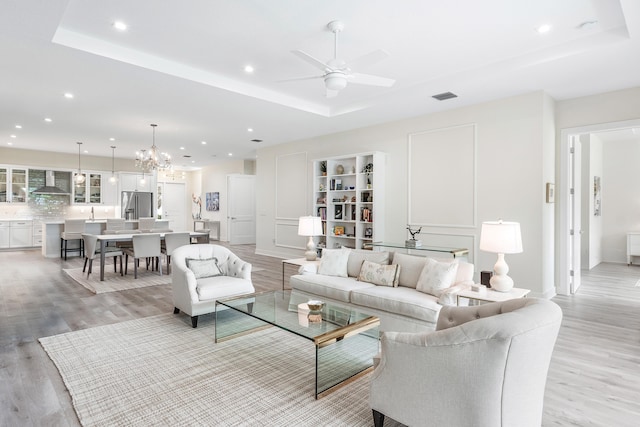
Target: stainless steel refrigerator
(137, 204)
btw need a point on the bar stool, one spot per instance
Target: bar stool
(73, 229)
(146, 224)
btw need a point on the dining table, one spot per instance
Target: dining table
(103, 239)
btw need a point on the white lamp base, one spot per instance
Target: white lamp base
(311, 253)
(500, 281)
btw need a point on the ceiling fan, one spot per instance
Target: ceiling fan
(337, 72)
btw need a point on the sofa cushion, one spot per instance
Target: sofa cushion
(334, 262)
(401, 300)
(436, 276)
(201, 268)
(212, 288)
(410, 268)
(357, 256)
(337, 288)
(379, 274)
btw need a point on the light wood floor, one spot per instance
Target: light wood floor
(594, 378)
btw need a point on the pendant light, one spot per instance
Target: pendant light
(79, 177)
(113, 178)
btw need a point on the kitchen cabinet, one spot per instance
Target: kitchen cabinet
(16, 234)
(90, 191)
(13, 184)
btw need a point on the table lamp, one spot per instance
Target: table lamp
(501, 237)
(310, 226)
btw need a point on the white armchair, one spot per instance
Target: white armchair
(229, 276)
(483, 366)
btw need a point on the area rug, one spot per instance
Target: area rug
(160, 371)
(114, 282)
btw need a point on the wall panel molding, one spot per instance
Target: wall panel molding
(442, 177)
(292, 187)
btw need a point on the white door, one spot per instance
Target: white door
(575, 212)
(241, 210)
(174, 205)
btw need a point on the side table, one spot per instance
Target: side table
(489, 295)
(296, 262)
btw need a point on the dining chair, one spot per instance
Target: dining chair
(146, 224)
(173, 241)
(91, 251)
(73, 229)
(145, 245)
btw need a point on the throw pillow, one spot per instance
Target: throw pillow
(204, 267)
(379, 274)
(358, 255)
(334, 262)
(436, 276)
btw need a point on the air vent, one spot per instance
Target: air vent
(187, 156)
(256, 140)
(445, 95)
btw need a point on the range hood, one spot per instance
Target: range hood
(50, 186)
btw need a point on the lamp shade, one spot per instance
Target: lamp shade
(501, 237)
(309, 226)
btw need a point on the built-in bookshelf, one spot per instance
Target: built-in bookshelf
(349, 198)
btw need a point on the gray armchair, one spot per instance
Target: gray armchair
(483, 366)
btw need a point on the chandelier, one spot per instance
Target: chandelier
(152, 159)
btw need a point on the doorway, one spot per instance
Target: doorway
(570, 209)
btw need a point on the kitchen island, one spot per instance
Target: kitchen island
(52, 229)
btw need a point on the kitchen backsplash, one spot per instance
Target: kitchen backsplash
(49, 207)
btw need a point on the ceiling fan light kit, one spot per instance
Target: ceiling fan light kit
(337, 72)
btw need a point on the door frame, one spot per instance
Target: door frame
(563, 274)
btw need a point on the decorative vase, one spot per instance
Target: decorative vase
(339, 170)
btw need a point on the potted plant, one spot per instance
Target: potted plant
(323, 167)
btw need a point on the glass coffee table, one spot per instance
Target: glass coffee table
(345, 339)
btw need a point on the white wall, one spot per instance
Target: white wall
(214, 178)
(620, 197)
(592, 226)
(515, 158)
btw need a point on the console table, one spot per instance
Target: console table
(206, 225)
(420, 250)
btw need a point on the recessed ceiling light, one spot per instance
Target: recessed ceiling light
(544, 28)
(48, 120)
(12, 136)
(9, 143)
(86, 151)
(248, 69)
(204, 142)
(112, 139)
(68, 95)
(182, 148)
(193, 161)
(230, 154)
(250, 130)
(119, 25)
(18, 126)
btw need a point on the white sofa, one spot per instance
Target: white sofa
(196, 296)
(401, 308)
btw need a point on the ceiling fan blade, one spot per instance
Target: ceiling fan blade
(368, 79)
(299, 78)
(311, 60)
(368, 59)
